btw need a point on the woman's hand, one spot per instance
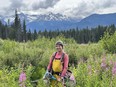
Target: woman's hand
(60, 79)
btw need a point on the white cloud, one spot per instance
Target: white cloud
(83, 8)
(4, 3)
(71, 8)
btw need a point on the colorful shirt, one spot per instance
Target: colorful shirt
(66, 61)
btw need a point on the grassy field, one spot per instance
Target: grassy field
(91, 64)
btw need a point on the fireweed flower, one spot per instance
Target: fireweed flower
(103, 63)
(114, 69)
(72, 77)
(22, 78)
(111, 62)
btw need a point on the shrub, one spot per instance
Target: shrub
(109, 42)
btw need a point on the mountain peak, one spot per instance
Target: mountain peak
(98, 19)
(52, 21)
(50, 17)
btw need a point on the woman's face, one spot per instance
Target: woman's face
(59, 48)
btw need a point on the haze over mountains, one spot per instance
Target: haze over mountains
(57, 21)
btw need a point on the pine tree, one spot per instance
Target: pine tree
(29, 35)
(24, 31)
(35, 35)
(45, 33)
(17, 26)
(0, 29)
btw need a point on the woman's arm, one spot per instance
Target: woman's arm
(65, 67)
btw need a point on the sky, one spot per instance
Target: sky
(70, 8)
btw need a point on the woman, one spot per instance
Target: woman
(58, 65)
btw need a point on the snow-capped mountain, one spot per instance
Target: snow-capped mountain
(57, 21)
(30, 18)
(40, 22)
(49, 17)
(50, 22)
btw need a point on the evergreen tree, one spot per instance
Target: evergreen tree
(0, 29)
(29, 35)
(17, 27)
(35, 35)
(24, 31)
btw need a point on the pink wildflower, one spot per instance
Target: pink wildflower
(114, 69)
(103, 63)
(22, 78)
(72, 77)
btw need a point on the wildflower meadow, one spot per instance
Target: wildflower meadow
(24, 64)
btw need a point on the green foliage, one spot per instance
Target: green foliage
(84, 59)
(37, 73)
(109, 42)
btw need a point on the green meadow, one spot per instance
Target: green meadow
(93, 64)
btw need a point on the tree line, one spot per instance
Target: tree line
(81, 35)
(17, 31)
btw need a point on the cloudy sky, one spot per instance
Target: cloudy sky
(70, 8)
